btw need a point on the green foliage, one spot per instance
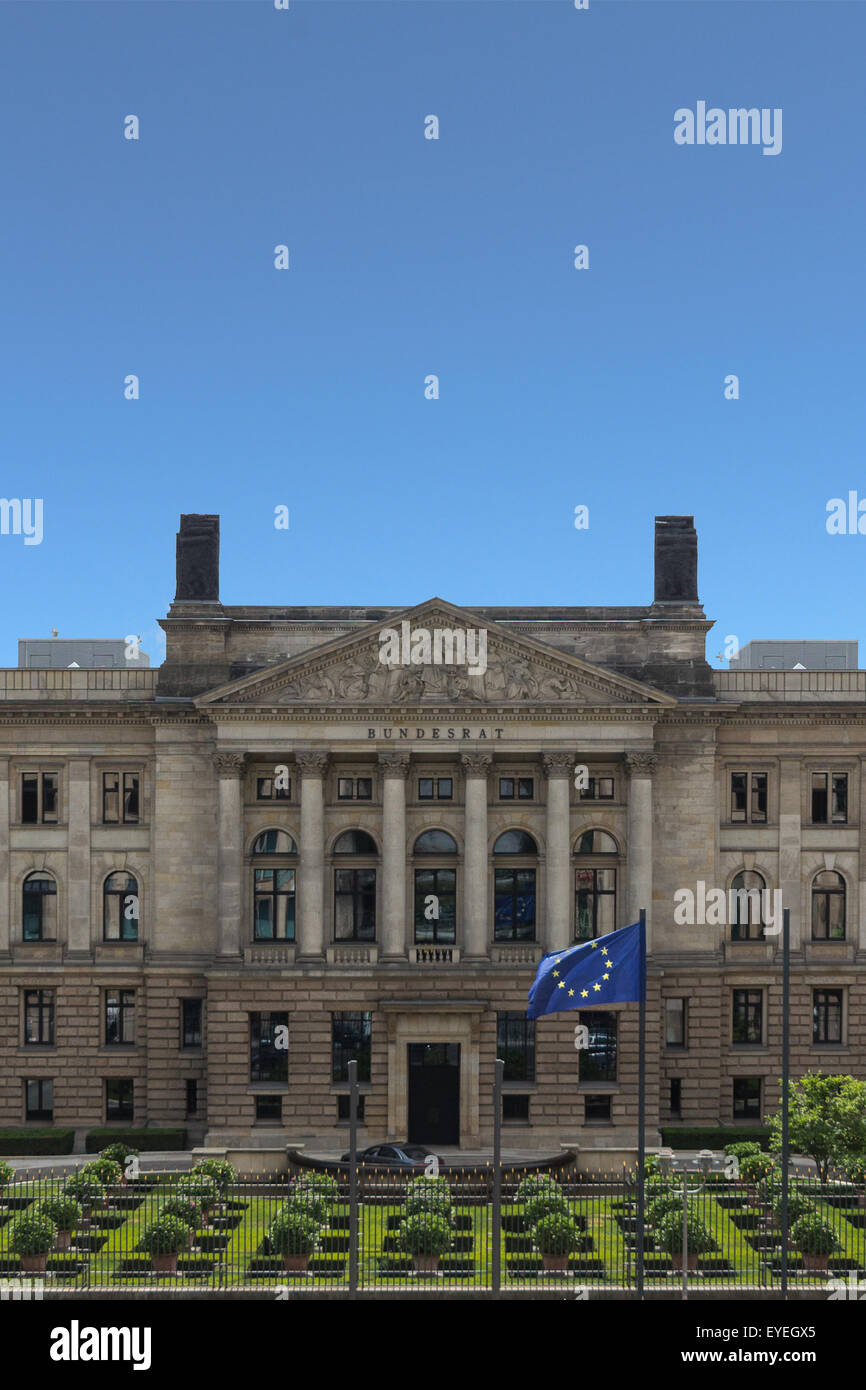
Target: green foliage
(651, 1166)
(294, 1231)
(6, 1173)
(167, 1236)
(34, 1233)
(556, 1233)
(198, 1186)
(547, 1204)
(719, 1138)
(428, 1195)
(147, 1140)
(425, 1232)
(814, 1236)
(827, 1119)
(669, 1234)
(21, 1142)
(63, 1210)
(536, 1185)
(744, 1150)
(662, 1205)
(84, 1187)
(184, 1209)
(853, 1168)
(120, 1152)
(755, 1167)
(105, 1170)
(220, 1170)
(314, 1194)
(798, 1205)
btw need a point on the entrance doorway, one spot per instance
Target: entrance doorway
(434, 1093)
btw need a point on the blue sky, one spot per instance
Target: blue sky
(409, 257)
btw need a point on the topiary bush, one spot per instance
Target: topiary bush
(314, 1194)
(853, 1168)
(220, 1170)
(798, 1205)
(198, 1186)
(184, 1209)
(536, 1185)
(118, 1152)
(63, 1210)
(556, 1233)
(662, 1205)
(425, 1232)
(743, 1150)
(814, 1236)
(669, 1234)
(6, 1173)
(428, 1195)
(165, 1236)
(84, 1187)
(754, 1167)
(33, 1233)
(294, 1231)
(105, 1170)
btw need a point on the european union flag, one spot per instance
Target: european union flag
(609, 970)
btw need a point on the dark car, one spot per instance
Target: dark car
(408, 1157)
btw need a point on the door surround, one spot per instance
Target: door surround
(434, 1021)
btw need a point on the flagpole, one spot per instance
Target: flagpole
(786, 1072)
(641, 1103)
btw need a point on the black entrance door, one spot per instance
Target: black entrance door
(434, 1093)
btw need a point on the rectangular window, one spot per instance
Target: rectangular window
(597, 789)
(596, 1108)
(351, 1041)
(269, 1052)
(435, 906)
(119, 1017)
(343, 1109)
(515, 1044)
(675, 1022)
(39, 1100)
(749, 797)
(355, 904)
(515, 1108)
(114, 809)
(274, 904)
(525, 788)
(38, 1017)
(747, 1097)
(506, 789)
(119, 1101)
(598, 1061)
(594, 903)
(269, 1109)
(266, 791)
(425, 788)
(345, 788)
(190, 1022)
(829, 798)
(826, 1016)
(364, 788)
(444, 788)
(192, 1098)
(514, 904)
(130, 798)
(39, 797)
(676, 1097)
(748, 1017)
(110, 798)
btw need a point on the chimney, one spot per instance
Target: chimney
(676, 560)
(198, 559)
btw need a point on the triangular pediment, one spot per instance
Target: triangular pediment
(350, 671)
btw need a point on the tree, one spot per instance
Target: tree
(826, 1119)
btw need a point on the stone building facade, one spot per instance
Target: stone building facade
(222, 878)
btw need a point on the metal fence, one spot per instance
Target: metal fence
(490, 1242)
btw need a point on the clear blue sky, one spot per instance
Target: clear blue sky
(412, 256)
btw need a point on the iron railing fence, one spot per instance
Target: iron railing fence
(240, 1242)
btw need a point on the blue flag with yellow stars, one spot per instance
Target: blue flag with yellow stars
(609, 970)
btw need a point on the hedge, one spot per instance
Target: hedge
(21, 1142)
(680, 1138)
(145, 1140)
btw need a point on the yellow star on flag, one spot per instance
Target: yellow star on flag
(605, 976)
(555, 973)
(584, 993)
(561, 985)
(596, 986)
(570, 993)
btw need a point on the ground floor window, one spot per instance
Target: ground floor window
(515, 1108)
(343, 1109)
(39, 1100)
(269, 1108)
(596, 1108)
(118, 1101)
(747, 1097)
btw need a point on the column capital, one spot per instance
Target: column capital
(559, 764)
(394, 764)
(476, 764)
(229, 764)
(641, 764)
(312, 763)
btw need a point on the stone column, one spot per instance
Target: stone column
(5, 887)
(311, 866)
(79, 897)
(559, 934)
(476, 927)
(230, 851)
(640, 837)
(395, 767)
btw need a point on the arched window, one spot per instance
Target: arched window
(514, 887)
(594, 886)
(120, 907)
(596, 842)
(436, 890)
(274, 887)
(274, 842)
(828, 906)
(39, 907)
(355, 889)
(746, 906)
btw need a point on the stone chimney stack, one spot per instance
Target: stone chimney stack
(676, 560)
(198, 559)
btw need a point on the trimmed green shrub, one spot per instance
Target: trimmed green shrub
(63, 1210)
(544, 1205)
(556, 1233)
(853, 1168)
(221, 1171)
(536, 1185)
(798, 1205)
(651, 1166)
(105, 1170)
(428, 1195)
(22, 1142)
(167, 1236)
(34, 1233)
(744, 1150)
(425, 1232)
(184, 1209)
(200, 1187)
(314, 1194)
(6, 1173)
(692, 1138)
(84, 1187)
(814, 1236)
(120, 1152)
(146, 1140)
(662, 1205)
(755, 1167)
(669, 1234)
(294, 1232)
